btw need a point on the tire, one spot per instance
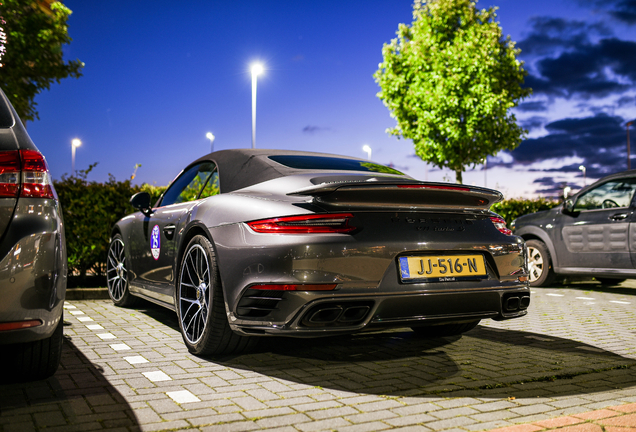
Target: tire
(445, 329)
(609, 281)
(117, 274)
(35, 360)
(200, 305)
(539, 264)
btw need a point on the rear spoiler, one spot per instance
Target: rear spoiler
(401, 195)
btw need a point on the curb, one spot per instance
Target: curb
(87, 294)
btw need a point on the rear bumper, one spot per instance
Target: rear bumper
(33, 272)
(347, 314)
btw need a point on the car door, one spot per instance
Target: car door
(596, 235)
(155, 265)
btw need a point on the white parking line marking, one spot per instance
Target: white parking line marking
(183, 396)
(157, 376)
(555, 295)
(76, 312)
(103, 336)
(586, 298)
(69, 306)
(619, 302)
(120, 347)
(135, 359)
(84, 319)
(94, 327)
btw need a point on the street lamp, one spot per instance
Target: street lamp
(582, 168)
(210, 136)
(629, 162)
(257, 69)
(74, 144)
(367, 149)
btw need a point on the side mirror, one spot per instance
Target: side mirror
(141, 201)
(568, 206)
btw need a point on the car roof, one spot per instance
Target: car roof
(240, 168)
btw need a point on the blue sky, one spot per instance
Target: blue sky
(161, 74)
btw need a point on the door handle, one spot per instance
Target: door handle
(619, 216)
(168, 230)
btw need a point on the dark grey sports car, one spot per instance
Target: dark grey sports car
(250, 243)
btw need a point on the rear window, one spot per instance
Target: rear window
(331, 163)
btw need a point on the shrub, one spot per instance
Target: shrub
(511, 209)
(90, 210)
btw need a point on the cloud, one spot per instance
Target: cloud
(534, 122)
(623, 11)
(532, 106)
(314, 129)
(594, 70)
(550, 33)
(599, 141)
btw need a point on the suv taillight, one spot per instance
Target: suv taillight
(26, 168)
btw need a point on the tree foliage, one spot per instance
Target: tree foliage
(33, 57)
(450, 81)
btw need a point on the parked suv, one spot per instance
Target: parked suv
(32, 257)
(592, 234)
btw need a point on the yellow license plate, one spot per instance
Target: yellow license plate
(442, 268)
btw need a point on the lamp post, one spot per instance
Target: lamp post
(582, 168)
(257, 69)
(629, 162)
(74, 144)
(211, 137)
(367, 149)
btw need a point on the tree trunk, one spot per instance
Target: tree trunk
(458, 176)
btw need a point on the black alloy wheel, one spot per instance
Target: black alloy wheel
(117, 274)
(200, 306)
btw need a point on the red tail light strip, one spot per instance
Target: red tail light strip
(305, 224)
(19, 325)
(295, 287)
(500, 224)
(424, 186)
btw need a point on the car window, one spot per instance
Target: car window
(188, 186)
(211, 187)
(331, 163)
(615, 193)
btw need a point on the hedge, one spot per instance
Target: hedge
(90, 209)
(511, 209)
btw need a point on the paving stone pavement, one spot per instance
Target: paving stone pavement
(127, 369)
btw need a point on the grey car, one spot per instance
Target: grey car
(33, 262)
(592, 234)
(249, 243)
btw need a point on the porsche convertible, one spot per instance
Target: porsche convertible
(250, 243)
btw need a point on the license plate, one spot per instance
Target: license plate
(442, 268)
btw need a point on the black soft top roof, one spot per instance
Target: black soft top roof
(241, 168)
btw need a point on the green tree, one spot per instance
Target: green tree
(32, 59)
(450, 81)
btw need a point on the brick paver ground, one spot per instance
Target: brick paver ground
(126, 369)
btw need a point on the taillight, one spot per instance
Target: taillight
(500, 224)
(9, 174)
(28, 168)
(294, 287)
(36, 179)
(305, 224)
(427, 186)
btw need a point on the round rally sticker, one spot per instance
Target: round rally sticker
(155, 242)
